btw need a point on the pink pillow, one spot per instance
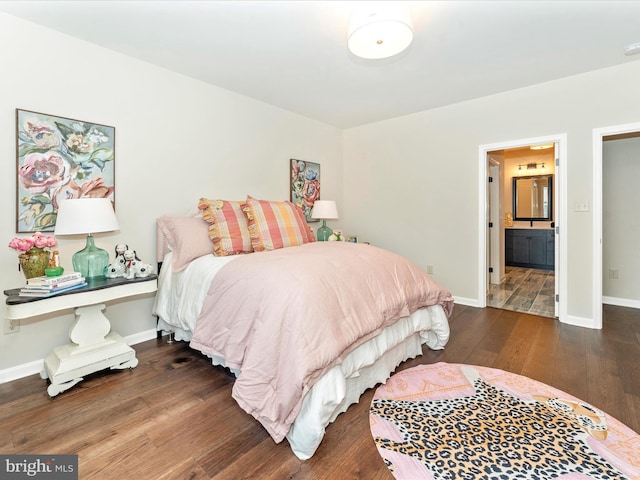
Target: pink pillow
(228, 228)
(274, 225)
(188, 238)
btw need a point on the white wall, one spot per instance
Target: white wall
(413, 181)
(620, 221)
(176, 139)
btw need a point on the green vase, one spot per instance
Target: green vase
(34, 261)
(91, 261)
(324, 232)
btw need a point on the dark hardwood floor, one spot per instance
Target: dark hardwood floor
(172, 417)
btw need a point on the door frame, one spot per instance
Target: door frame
(560, 215)
(598, 159)
(495, 217)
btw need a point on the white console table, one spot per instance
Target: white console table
(94, 346)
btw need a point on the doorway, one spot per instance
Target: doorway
(601, 135)
(532, 287)
(526, 262)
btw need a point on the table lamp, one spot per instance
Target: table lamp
(324, 210)
(87, 216)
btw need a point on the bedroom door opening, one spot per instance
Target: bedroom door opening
(620, 253)
(527, 278)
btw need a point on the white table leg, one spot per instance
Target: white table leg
(93, 349)
(91, 326)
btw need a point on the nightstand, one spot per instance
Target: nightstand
(94, 346)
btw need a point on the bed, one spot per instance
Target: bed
(306, 327)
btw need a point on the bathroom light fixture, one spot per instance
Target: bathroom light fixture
(380, 29)
(531, 166)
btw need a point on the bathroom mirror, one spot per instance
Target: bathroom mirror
(532, 198)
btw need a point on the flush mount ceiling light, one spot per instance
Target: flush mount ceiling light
(542, 146)
(380, 30)
(632, 49)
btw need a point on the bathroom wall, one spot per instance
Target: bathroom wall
(515, 157)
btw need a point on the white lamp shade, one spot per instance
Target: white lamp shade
(85, 216)
(380, 29)
(325, 210)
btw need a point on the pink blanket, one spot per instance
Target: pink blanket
(285, 317)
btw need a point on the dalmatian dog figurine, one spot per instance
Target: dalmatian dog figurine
(117, 268)
(134, 267)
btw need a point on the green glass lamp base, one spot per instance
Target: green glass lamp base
(324, 232)
(91, 261)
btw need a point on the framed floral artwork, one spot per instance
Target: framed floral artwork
(305, 185)
(59, 158)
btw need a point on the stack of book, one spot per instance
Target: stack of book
(47, 286)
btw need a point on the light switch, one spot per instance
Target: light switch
(582, 206)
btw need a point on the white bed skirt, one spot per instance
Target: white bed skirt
(368, 365)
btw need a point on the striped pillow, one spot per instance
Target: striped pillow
(228, 228)
(311, 236)
(274, 225)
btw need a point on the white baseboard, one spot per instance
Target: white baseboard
(621, 302)
(36, 367)
(588, 322)
(21, 371)
(141, 336)
(469, 302)
(579, 322)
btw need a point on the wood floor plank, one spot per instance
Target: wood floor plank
(570, 367)
(540, 360)
(513, 355)
(173, 417)
(184, 469)
(602, 363)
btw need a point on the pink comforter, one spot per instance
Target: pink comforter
(285, 317)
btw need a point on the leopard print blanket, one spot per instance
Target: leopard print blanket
(496, 435)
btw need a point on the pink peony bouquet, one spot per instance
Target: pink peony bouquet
(37, 240)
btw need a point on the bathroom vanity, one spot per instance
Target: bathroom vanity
(530, 248)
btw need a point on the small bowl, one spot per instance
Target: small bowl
(53, 271)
